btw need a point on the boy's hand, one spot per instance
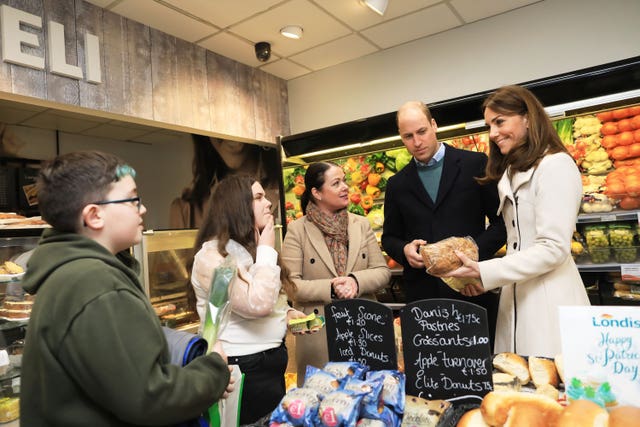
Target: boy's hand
(231, 386)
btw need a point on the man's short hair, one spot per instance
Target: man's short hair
(69, 182)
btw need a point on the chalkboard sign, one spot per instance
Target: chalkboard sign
(446, 350)
(361, 330)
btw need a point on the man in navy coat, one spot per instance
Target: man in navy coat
(434, 197)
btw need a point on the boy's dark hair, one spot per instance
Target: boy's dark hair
(69, 182)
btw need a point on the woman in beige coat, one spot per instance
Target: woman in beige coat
(540, 192)
(332, 254)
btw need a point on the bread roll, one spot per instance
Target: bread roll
(583, 413)
(524, 414)
(624, 416)
(472, 418)
(559, 361)
(513, 364)
(548, 390)
(440, 258)
(504, 381)
(543, 371)
(496, 405)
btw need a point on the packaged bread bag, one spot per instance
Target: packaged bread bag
(440, 258)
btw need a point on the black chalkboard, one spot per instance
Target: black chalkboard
(361, 330)
(446, 350)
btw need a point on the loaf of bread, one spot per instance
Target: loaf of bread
(627, 416)
(513, 364)
(525, 414)
(548, 390)
(496, 405)
(472, 418)
(440, 258)
(543, 371)
(504, 381)
(583, 413)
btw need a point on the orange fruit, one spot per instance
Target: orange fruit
(629, 203)
(636, 135)
(605, 116)
(625, 138)
(615, 189)
(634, 151)
(609, 128)
(624, 125)
(619, 153)
(609, 141)
(635, 121)
(635, 110)
(620, 113)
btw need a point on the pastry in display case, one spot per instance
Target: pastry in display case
(165, 257)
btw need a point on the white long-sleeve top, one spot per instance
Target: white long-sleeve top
(258, 307)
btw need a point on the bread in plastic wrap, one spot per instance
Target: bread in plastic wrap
(440, 257)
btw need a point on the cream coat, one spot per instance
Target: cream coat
(538, 275)
(305, 253)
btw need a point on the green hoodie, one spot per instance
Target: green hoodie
(95, 353)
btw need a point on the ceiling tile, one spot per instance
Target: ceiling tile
(234, 48)
(473, 10)
(163, 18)
(285, 69)
(358, 16)
(335, 52)
(223, 13)
(319, 27)
(411, 27)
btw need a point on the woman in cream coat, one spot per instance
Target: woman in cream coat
(332, 254)
(540, 192)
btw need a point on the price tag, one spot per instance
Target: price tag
(630, 272)
(446, 350)
(608, 218)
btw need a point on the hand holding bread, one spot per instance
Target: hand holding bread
(440, 257)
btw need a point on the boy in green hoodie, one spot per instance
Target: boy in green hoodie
(95, 353)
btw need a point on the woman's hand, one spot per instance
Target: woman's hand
(295, 314)
(469, 268)
(268, 234)
(345, 287)
(473, 290)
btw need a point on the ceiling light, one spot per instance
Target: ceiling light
(378, 6)
(292, 31)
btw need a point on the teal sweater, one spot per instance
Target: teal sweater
(95, 353)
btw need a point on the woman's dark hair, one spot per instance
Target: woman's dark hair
(313, 178)
(230, 216)
(541, 138)
(209, 168)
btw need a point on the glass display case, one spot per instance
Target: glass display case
(16, 245)
(165, 257)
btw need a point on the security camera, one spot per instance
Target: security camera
(263, 51)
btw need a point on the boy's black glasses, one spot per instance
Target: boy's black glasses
(135, 200)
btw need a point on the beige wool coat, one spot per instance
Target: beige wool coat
(305, 253)
(538, 274)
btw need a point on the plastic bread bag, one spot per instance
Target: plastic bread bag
(459, 283)
(440, 257)
(218, 307)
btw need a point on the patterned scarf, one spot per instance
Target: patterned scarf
(334, 229)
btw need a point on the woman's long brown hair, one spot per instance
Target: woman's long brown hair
(230, 216)
(541, 139)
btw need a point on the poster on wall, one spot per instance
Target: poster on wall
(214, 159)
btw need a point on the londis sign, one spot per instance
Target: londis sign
(14, 37)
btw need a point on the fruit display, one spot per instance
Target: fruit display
(597, 240)
(479, 142)
(366, 176)
(621, 237)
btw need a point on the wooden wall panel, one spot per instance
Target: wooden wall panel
(150, 75)
(193, 101)
(24, 80)
(62, 89)
(164, 77)
(90, 21)
(137, 75)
